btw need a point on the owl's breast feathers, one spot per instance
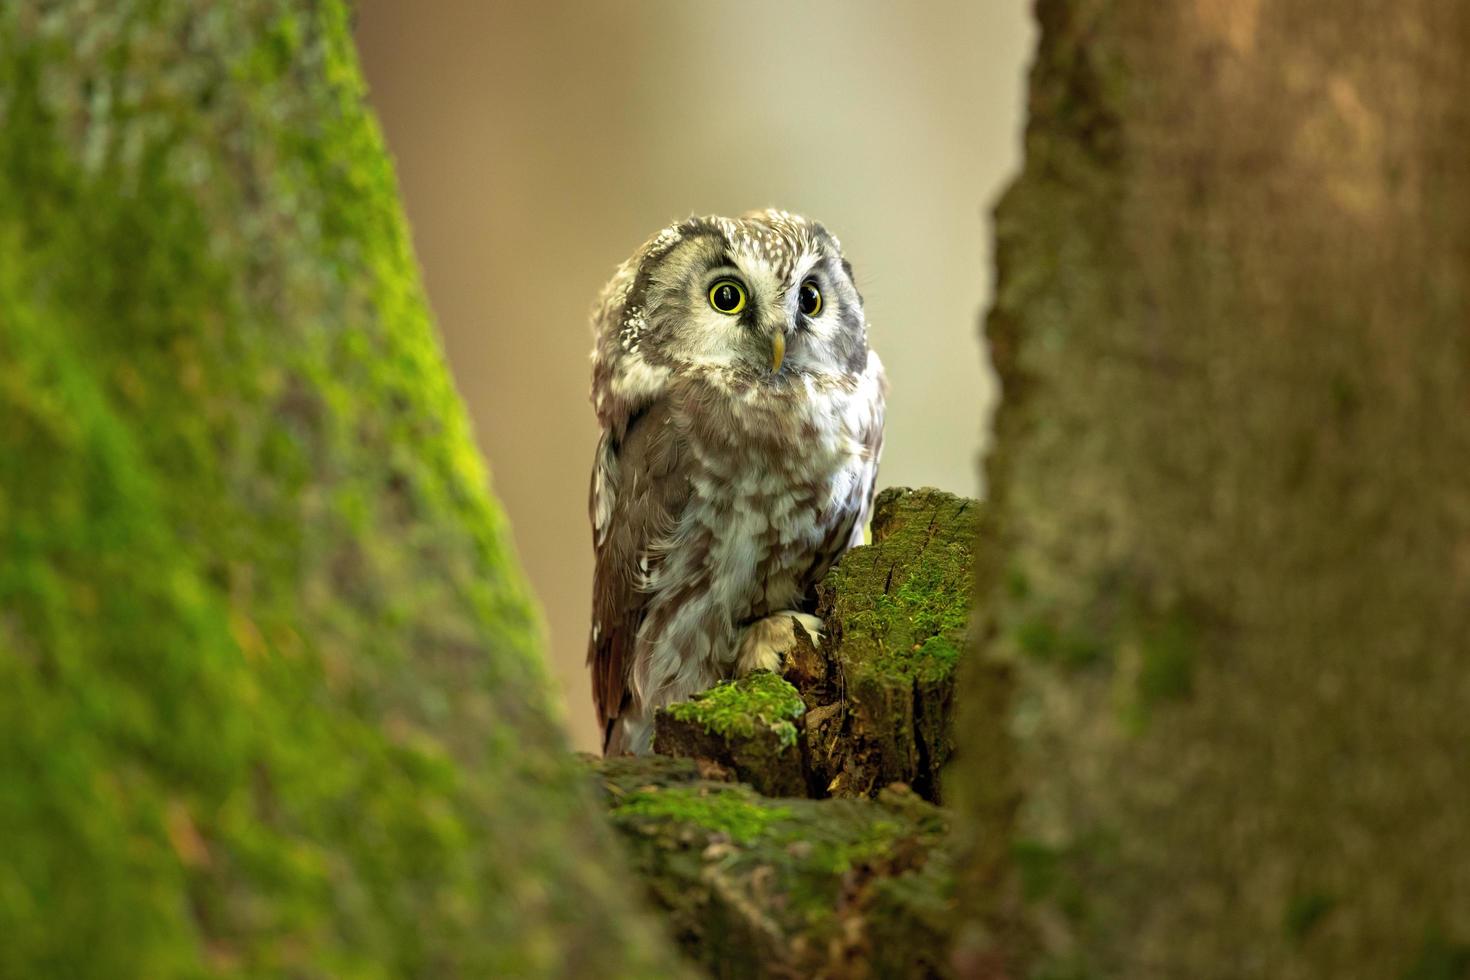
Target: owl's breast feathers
(720, 501)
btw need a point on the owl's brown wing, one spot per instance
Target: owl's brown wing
(640, 486)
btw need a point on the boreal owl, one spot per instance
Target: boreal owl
(742, 418)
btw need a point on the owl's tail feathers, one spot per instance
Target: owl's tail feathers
(631, 733)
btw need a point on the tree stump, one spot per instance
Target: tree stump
(770, 879)
(871, 705)
(751, 726)
(755, 886)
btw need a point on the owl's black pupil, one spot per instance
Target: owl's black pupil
(726, 297)
(809, 298)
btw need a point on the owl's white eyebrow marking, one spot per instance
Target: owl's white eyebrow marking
(805, 263)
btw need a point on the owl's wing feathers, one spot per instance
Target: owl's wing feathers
(640, 488)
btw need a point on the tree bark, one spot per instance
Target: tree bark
(269, 694)
(1230, 481)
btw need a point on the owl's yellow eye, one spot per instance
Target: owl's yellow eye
(809, 298)
(727, 296)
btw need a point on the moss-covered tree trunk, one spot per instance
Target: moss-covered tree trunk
(269, 696)
(1233, 324)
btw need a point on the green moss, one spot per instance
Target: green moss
(1039, 639)
(748, 818)
(874, 842)
(898, 616)
(735, 815)
(1017, 585)
(1056, 876)
(748, 880)
(270, 694)
(1168, 647)
(1440, 958)
(1049, 874)
(916, 630)
(932, 603)
(1169, 651)
(1036, 864)
(741, 708)
(1072, 967)
(1306, 912)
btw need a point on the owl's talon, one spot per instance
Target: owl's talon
(767, 641)
(760, 657)
(814, 626)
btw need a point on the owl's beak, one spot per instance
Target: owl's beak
(778, 350)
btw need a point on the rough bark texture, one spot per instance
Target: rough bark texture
(269, 702)
(1231, 322)
(761, 887)
(872, 705)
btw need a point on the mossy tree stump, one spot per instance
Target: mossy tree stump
(896, 613)
(754, 879)
(755, 886)
(751, 726)
(870, 706)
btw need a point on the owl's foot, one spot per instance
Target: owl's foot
(767, 641)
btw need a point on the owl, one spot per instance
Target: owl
(741, 412)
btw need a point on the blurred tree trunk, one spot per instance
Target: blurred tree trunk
(1233, 478)
(270, 699)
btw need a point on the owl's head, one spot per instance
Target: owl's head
(763, 298)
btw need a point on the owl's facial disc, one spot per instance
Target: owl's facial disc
(764, 299)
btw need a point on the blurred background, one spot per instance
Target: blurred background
(538, 144)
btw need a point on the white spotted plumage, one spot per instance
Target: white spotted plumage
(729, 476)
